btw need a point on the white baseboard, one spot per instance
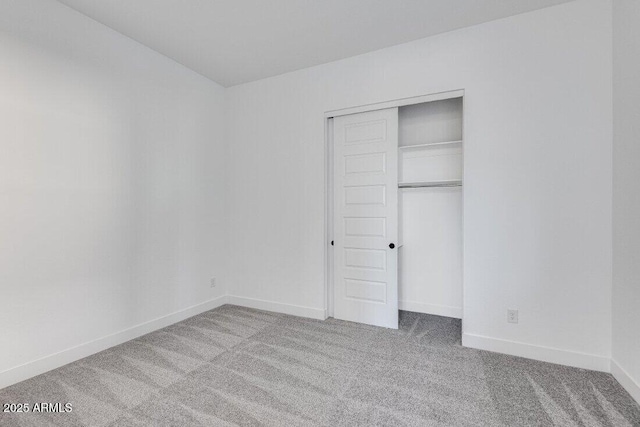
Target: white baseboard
(438, 310)
(294, 310)
(56, 360)
(545, 354)
(629, 384)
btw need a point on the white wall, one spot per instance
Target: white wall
(430, 259)
(112, 179)
(537, 197)
(626, 194)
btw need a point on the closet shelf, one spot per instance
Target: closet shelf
(455, 183)
(428, 145)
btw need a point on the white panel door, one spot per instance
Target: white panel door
(366, 217)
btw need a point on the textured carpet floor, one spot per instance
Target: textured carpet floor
(237, 366)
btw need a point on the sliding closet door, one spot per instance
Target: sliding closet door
(366, 218)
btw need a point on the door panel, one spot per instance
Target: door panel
(365, 195)
(365, 227)
(364, 163)
(366, 217)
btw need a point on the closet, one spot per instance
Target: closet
(397, 211)
(430, 204)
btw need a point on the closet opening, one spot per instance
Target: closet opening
(430, 204)
(395, 209)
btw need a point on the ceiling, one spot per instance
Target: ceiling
(237, 41)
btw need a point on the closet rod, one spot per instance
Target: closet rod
(430, 184)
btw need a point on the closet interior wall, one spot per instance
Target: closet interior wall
(430, 257)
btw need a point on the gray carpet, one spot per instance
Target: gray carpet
(238, 366)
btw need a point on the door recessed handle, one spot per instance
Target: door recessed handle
(391, 245)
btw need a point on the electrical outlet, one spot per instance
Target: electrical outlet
(512, 316)
(213, 282)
